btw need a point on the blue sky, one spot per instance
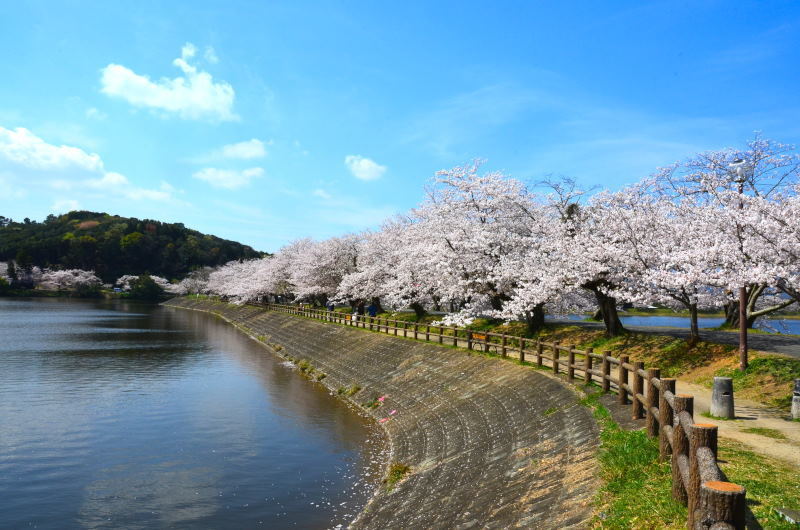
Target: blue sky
(268, 121)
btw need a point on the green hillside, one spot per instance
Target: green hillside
(112, 245)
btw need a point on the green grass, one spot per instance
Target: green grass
(348, 390)
(773, 370)
(637, 488)
(770, 484)
(712, 417)
(551, 410)
(765, 431)
(783, 369)
(396, 473)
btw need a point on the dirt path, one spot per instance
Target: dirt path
(750, 414)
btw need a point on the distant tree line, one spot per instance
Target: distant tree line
(113, 246)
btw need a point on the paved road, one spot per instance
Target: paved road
(783, 344)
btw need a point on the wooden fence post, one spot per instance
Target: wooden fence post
(702, 435)
(571, 364)
(622, 380)
(556, 353)
(606, 369)
(723, 502)
(587, 366)
(427, 332)
(539, 352)
(680, 446)
(416, 331)
(521, 350)
(455, 337)
(664, 418)
(503, 342)
(469, 340)
(652, 402)
(638, 388)
(441, 334)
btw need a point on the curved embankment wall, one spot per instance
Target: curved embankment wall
(490, 444)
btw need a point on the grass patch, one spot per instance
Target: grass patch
(712, 417)
(348, 390)
(551, 410)
(373, 403)
(637, 488)
(397, 472)
(765, 431)
(770, 483)
(305, 367)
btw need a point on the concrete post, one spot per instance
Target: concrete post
(796, 400)
(722, 398)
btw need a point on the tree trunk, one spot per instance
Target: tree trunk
(608, 308)
(694, 337)
(418, 310)
(534, 319)
(731, 315)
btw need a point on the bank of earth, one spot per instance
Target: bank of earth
(475, 442)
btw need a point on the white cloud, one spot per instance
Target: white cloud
(26, 158)
(322, 194)
(95, 114)
(230, 179)
(26, 149)
(115, 184)
(247, 150)
(363, 168)
(244, 150)
(65, 205)
(210, 55)
(195, 96)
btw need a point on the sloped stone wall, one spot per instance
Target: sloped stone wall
(490, 444)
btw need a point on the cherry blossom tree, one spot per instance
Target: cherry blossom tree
(84, 282)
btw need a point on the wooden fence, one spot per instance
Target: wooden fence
(697, 481)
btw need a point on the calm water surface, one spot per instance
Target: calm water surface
(122, 415)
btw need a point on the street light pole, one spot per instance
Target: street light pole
(740, 168)
(743, 328)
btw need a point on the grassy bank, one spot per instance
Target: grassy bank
(637, 488)
(768, 380)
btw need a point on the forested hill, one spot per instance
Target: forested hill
(112, 245)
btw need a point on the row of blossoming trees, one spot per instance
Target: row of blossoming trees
(690, 237)
(79, 281)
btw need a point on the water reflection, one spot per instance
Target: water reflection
(118, 414)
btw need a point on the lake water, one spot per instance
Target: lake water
(123, 415)
(779, 325)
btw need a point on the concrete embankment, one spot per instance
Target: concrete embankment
(490, 444)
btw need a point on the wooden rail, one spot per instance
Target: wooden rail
(697, 480)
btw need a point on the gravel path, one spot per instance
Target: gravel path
(490, 444)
